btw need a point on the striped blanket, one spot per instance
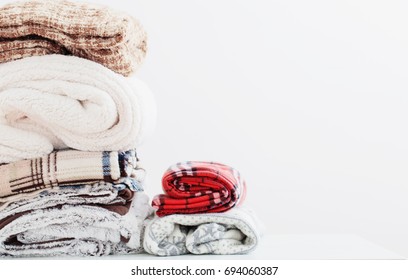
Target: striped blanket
(68, 167)
(199, 187)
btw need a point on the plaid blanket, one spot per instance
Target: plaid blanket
(94, 32)
(199, 187)
(67, 167)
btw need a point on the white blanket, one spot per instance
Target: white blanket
(70, 222)
(55, 101)
(233, 232)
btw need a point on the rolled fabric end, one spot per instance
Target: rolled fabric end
(233, 232)
(58, 102)
(199, 187)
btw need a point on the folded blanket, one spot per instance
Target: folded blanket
(69, 167)
(199, 187)
(87, 220)
(110, 38)
(232, 232)
(57, 101)
(101, 193)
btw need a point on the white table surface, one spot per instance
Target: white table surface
(299, 247)
(288, 247)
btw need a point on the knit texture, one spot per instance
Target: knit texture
(57, 102)
(94, 32)
(199, 187)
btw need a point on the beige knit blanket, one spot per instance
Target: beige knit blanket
(110, 38)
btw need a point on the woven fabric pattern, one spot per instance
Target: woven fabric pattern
(199, 187)
(67, 167)
(94, 32)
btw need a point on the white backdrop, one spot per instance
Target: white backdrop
(308, 99)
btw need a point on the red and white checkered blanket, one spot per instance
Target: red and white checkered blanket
(199, 187)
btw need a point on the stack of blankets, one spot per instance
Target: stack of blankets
(72, 115)
(201, 212)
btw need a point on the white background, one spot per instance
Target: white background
(308, 99)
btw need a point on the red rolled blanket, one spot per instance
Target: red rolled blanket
(199, 187)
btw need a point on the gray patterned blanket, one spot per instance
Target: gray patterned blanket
(233, 232)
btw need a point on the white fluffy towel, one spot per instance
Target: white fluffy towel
(55, 102)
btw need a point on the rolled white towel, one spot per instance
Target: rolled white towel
(56, 102)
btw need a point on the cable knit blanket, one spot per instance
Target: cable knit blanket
(233, 232)
(110, 38)
(199, 187)
(94, 220)
(70, 167)
(54, 102)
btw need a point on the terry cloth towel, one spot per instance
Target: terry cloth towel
(232, 232)
(91, 220)
(69, 167)
(55, 102)
(94, 32)
(199, 187)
